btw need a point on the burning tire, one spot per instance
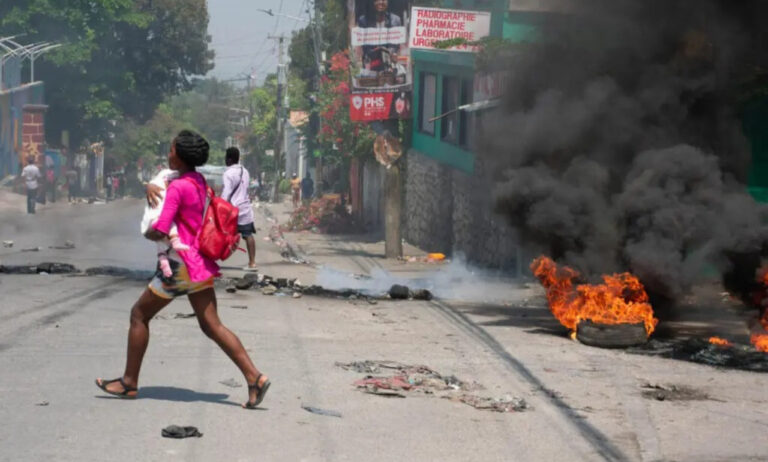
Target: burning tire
(611, 335)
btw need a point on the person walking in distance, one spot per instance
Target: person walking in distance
(72, 183)
(307, 189)
(31, 175)
(295, 189)
(236, 180)
(193, 275)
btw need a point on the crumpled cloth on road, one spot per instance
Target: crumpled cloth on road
(175, 431)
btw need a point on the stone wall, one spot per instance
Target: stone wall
(428, 220)
(448, 211)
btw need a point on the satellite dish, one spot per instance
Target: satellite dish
(387, 149)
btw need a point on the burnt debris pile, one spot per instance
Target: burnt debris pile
(702, 351)
(619, 145)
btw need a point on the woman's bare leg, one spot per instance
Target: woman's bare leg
(145, 308)
(204, 304)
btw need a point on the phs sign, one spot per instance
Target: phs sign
(430, 25)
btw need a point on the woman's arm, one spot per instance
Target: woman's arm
(170, 208)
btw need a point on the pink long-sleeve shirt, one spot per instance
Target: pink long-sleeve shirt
(184, 205)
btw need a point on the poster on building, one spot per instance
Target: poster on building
(430, 25)
(380, 59)
(368, 107)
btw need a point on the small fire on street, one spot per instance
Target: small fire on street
(620, 300)
(759, 336)
(720, 342)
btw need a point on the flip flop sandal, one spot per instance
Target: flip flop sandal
(127, 393)
(261, 392)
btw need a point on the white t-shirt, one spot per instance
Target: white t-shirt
(30, 174)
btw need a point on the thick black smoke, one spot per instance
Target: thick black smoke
(620, 146)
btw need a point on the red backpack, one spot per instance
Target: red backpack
(218, 237)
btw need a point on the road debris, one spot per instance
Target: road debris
(7, 244)
(506, 404)
(68, 245)
(138, 275)
(47, 267)
(319, 411)
(269, 290)
(178, 432)
(32, 249)
(239, 307)
(42, 403)
(405, 380)
(699, 350)
(183, 315)
(231, 383)
(401, 292)
(661, 392)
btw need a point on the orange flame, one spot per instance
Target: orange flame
(720, 342)
(760, 339)
(621, 299)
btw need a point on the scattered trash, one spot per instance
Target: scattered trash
(239, 307)
(175, 431)
(42, 403)
(506, 404)
(231, 289)
(673, 393)
(245, 283)
(231, 383)
(32, 249)
(436, 256)
(68, 245)
(407, 379)
(317, 410)
(7, 244)
(297, 295)
(269, 290)
(183, 315)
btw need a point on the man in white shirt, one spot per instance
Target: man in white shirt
(236, 180)
(31, 174)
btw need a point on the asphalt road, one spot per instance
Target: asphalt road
(59, 332)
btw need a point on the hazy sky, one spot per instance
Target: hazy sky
(239, 34)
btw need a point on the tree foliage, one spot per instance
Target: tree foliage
(120, 57)
(201, 109)
(340, 135)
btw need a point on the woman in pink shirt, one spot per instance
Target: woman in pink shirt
(193, 276)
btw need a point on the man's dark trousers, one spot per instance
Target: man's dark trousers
(31, 199)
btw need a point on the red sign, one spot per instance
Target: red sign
(365, 107)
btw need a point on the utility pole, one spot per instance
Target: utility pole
(281, 81)
(315, 122)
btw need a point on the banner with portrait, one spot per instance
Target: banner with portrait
(380, 62)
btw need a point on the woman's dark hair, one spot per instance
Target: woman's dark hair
(191, 148)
